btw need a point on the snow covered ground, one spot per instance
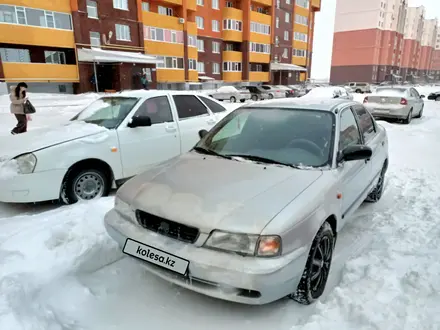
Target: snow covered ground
(60, 271)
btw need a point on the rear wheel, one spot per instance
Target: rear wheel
(359, 91)
(408, 119)
(254, 98)
(421, 112)
(270, 96)
(315, 275)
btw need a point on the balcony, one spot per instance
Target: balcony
(62, 6)
(259, 76)
(233, 13)
(259, 57)
(162, 21)
(193, 53)
(163, 48)
(316, 4)
(191, 5)
(267, 3)
(260, 18)
(232, 76)
(40, 72)
(193, 75)
(191, 28)
(170, 75)
(36, 36)
(173, 2)
(231, 56)
(302, 61)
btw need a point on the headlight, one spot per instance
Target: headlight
(263, 246)
(123, 208)
(26, 163)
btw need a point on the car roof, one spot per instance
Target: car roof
(395, 87)
(323, 104)
(151, 93)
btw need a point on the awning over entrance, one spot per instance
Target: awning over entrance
(111, 56)
(285, 67)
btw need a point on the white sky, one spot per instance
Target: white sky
(324, 27)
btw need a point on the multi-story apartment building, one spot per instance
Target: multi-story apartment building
(368, 40)
(412, 43)
(428, 42)
(87, 45)
(435, 62)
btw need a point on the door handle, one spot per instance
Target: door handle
(383, 143)
(170, 129)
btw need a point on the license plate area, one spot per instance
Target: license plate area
(155, 256)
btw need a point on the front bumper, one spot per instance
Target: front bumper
(246, 280)
(32, 188)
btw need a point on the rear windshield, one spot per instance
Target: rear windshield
(391, 91)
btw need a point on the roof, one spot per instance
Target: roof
(323, 104)
(152, 93)
(394, 86)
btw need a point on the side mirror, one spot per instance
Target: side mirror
(202, 133)
(139, 121)
(355, 152)
(422, 96)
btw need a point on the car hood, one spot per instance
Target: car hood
(210, 193)
(14, 145)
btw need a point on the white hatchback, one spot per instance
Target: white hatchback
(114, 138)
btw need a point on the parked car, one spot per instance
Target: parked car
(260, 220)
(257, 93)
(274, 93)
(398, 102)
(289, 92)
(112, 139)
(231, 93)
(298, 90)
(329, 92)
(360, 87)
(434, 96)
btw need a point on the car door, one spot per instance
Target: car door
(218, 110)
(193, 116)
(418, 101)
(353, 174)
(143, 147)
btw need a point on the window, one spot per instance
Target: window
(7, 14)
(189, 106)
(366, 124)
(34, 17)
(120, 4)
(122, 32)
(257, 68)
(300, 36)
(15, 55)
(21, 15)
(55, 57)
(299, 52)
(201, 67)
(213, 106)
(170, 62)
(286, 35)
(215, 26)
(200, 45)
(303, 3)
(300, 19)
(287, 17)
(192, 41)
(216, 47)
(214, 4)
(159, 34)
(277, 22)
(192, 64)
(157, 108)
(229, 4)
(145, 6)
(164, 11)
(260, 28)
(200, 3)
(287, 2)
(92, 9)
(231, 66)
(200, 22)
(278, 4)
(259, 48)
(349, 134)
(95, 39)
(232, 24)
(229, 47)
(215, 68)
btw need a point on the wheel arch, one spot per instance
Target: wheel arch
(333, 222)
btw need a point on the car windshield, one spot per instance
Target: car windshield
(292, 137)
(107, 112)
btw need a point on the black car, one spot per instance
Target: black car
(434, 96)
(257, 93)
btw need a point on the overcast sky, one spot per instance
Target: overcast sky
(324, 26)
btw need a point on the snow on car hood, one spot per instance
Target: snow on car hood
(14, 145)
(209, 193)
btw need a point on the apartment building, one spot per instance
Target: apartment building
(427, 47)
(435, 61)
(88, 45)
(368, 40)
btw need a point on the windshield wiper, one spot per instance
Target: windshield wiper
(209, 152)
(263, 160)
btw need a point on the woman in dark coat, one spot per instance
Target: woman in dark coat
(18, 98)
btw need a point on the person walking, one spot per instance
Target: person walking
(18, 98)
(144, 81)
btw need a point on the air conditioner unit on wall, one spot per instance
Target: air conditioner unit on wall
(181, 20)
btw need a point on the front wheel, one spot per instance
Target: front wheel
(315, 275)
(254, 98)
(421, 112)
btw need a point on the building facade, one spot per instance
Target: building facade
(368, 40)
(428, 42)
(435, 62)
(106, 45)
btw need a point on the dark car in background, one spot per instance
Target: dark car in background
(434, 96)
(257, 93)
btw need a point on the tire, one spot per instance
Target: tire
(376, 194)
(242, 100)
(421, 112)
(358, 91)
(437, 98)
(270, 96)
(408, 119)
(73, 189)
(233, 99)
(324, 240)
(254, 98)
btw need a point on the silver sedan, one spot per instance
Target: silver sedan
(395, 102)
(251, 214)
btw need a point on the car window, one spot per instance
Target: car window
(349, 133)
(157, 108)
(213, 106)
(232, 128)
(415, 93)
(366, 124)
(189, 106)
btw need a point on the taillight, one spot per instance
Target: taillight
(366, 99)
(403, 101)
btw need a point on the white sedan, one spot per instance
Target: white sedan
(114, 138)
